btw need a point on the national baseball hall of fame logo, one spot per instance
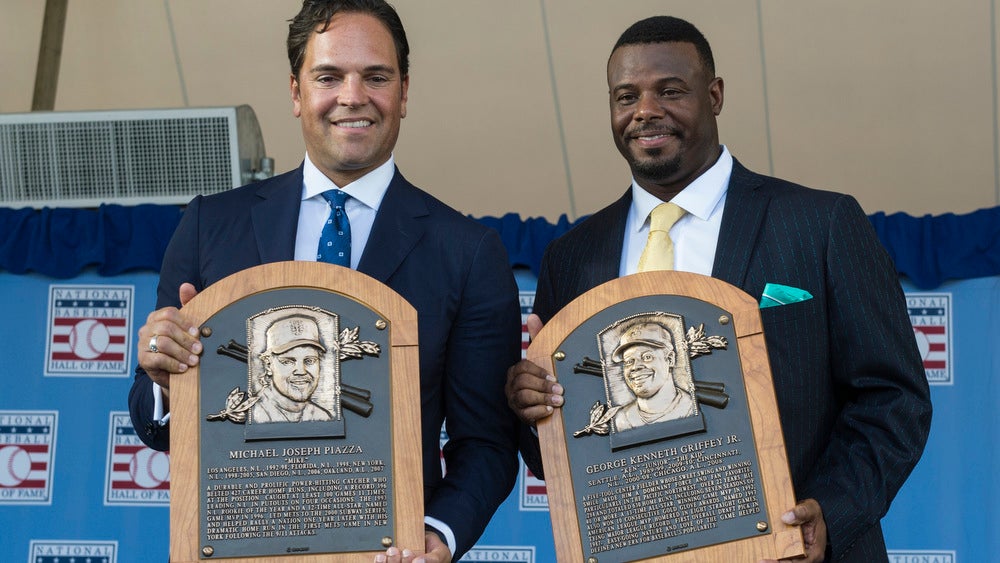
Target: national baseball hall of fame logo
(90, 329)
(527, 299)
(930, 314)
(27, 452)
(921, 556)
(73, 551)
(532, 494)
(136, 475)
(518, 553)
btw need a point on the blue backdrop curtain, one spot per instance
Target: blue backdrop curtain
(61, 243)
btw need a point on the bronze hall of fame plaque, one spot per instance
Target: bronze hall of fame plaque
(299, 434)
(668, 447)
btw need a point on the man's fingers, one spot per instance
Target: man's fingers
(171, 323)
(393, 555)
(187, 293)
(172, 341)
(803, 512)
(527, 398)
(531, 393)
(528, 385)
(528, 367)
(530, 382)
(532, 405)
(534, 324)
(176, 344)
(532, 415)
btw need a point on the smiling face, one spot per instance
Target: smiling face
(663, 108)
(350, 97)
(648, 370)
(296, 372)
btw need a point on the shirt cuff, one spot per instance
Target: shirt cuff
(158, 415)
(443, 530)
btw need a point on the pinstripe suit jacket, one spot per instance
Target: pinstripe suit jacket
(855, 406)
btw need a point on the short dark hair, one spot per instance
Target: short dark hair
(665, 29)
(315, 13)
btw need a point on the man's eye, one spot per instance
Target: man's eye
(285, 361)
(629, 363)
(310, 361)
(626, 99)
(648, 356)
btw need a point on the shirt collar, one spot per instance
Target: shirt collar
(368, 189)
(699, 198)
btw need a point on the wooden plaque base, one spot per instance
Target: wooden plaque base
(401, 407)
(647, 479)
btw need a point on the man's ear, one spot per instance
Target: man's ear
(293, 87)
(716, 91)
(406, 89)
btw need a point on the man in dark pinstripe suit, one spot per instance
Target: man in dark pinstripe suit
(854, 402)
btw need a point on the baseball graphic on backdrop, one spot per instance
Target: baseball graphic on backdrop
(149, 468)
(89, 339)
(15, 466)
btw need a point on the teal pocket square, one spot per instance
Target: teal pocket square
(776, 294)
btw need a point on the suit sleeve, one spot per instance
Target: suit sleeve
(180, 264)
(884, 420)
(481, 453)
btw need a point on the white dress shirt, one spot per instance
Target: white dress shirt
(366, 196)
(696, 234)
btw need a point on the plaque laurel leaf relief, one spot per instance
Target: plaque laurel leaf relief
(700, 344)
(352, 348)
(600, 420)
(237, 405)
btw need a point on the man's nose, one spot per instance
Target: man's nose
(353, 92)
(648, 107)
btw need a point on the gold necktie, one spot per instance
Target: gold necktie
(659, 251)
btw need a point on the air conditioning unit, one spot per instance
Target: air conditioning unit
(164, 156)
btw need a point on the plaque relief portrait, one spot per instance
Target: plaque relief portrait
(292, 372)
(651, 392)
(660, 391)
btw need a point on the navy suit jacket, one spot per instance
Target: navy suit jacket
(853, 398)
(453, 271)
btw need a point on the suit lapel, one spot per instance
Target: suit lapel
(603, 257)
(742, 218)
(275, 215)
(398, 226)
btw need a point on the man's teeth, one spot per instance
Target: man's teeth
(355, 124)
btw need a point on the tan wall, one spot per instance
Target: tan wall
(893, 102)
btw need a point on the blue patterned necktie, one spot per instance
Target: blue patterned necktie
(335, 242)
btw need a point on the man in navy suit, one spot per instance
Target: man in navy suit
(853, 398)
(349, 81)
